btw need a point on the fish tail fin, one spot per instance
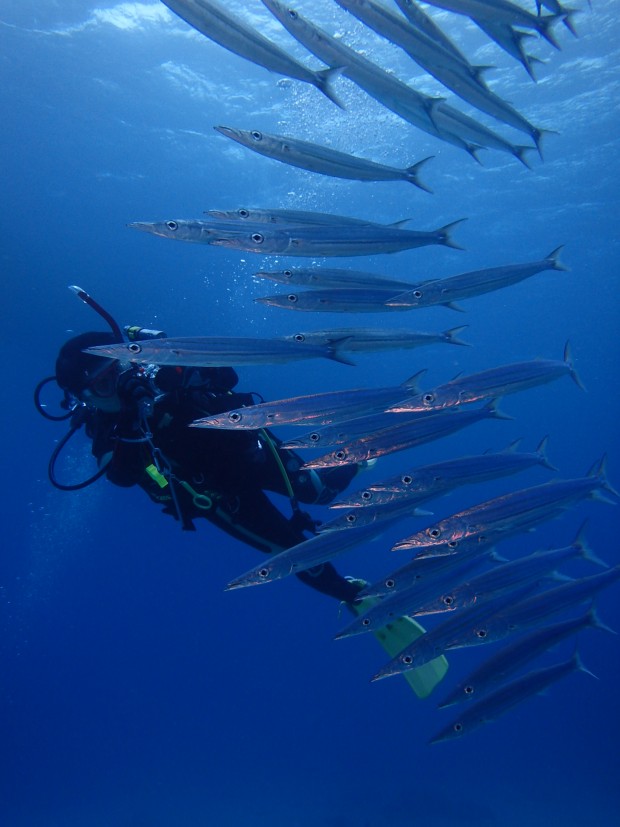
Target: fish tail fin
(411, 174)
(567, 19)
(538, 135)
(527, 62)
(585, 551)
(520, 152)
(597, 623)
(568, 359)
(541, 450)
(545, 29)
(443, 235)
(579, 665)
(324, 79)
(599, 470)
(553, 259)
(451, 335)
(473, 150)
(494, 412)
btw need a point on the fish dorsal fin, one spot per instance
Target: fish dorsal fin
(512, 448)
(411, 384)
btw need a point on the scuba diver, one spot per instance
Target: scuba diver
(137, 418)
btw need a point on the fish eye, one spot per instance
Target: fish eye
(258, 136)
(292, 297)
(243, 213)
(365, 622)
(287, 273)
(407, 660)
(366, 495)
(468, 690)
(134, 347)
(264, 572)
(257, 238)
(434, 533)
(293, 14)
(340, 455)
(351, 518)
(299, 337)
(458, 727)
(481, 634)
(428, 398)
(172, 225)
(417, 294)
(314, 437)
(406, 479)
(234, 416)
(448, 600)
(452, 544)
(389, 584)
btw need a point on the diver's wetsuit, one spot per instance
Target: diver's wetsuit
(218, 474)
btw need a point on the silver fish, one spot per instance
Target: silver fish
(430, 582)
(194, 230)
(452, 633)
(495, 382)
(407, 434)
(333, 278)
(334, 300)
(283, 216)
(400, 98)
(346, 430)
(493, 620)
(322, 159)
(422, 47)
(534, 566)
(233, 34)
(213, 351)
(361, 517)
(475, 283)
(502, 11)
(529, 611)
(440, 477)
(497, 618)
(332, 240)
(306, 555)
(539, 501)
(425, 23)
(491, 707)
(323, 408)
(449, 71)
(371, 339)
(511, 658)
(407, 575)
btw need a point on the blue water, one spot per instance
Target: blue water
(134, 691)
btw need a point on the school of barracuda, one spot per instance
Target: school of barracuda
(456, 574)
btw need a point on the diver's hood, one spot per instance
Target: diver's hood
(74, 368)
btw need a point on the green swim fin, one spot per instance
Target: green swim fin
(394, 637)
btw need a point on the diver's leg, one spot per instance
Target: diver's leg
(308, 486)
(250, 516)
